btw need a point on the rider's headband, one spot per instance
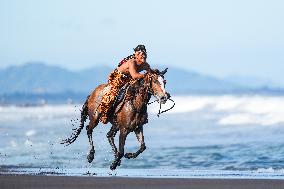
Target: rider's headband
(144, 52)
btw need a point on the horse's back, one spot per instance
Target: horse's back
(96, 97)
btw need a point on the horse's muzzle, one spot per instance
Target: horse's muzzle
(165, 97)
(168, 95)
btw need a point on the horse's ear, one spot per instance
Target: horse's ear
(164, 72)
(155, 71)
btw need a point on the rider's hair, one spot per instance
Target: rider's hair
(141, 48)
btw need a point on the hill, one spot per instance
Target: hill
(37, 80)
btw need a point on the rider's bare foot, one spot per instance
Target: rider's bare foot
(103, 119)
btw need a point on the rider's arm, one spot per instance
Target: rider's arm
(133, 71)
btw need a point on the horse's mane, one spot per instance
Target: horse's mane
(140, 85)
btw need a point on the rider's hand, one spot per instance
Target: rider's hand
(141, 76)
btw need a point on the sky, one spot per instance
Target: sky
(220, 38)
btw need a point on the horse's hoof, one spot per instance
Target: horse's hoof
(90, 156)
(129, 155)
(113, 166)
(119, 163)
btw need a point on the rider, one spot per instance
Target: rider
(128, 70)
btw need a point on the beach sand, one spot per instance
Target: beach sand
(70, 182)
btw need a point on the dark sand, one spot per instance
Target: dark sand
(70, 182)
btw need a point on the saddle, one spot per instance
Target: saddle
(120, 97)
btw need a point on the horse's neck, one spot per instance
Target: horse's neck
(140, 95)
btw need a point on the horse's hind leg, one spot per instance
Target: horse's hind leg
(140, 138)
(94, 120)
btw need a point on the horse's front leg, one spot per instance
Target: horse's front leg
(140, 138)
(122, 137)
(110, 135)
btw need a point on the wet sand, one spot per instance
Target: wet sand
(70, 182)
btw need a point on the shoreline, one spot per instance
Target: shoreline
(9, 181)
(147, 173)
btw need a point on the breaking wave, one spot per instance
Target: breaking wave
(232, 110)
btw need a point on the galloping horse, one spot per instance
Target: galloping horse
(128, 116)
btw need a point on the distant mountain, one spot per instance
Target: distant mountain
(44, 81)
(39, 78)
(183, 81)
(251, 82)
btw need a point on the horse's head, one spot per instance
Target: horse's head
(157, 85)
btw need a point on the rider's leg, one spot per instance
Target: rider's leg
(116, 81)
(106, 103)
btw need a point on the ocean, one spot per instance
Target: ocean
(203, 136)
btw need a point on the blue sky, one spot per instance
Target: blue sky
(220, 37)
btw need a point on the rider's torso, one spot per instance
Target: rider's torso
(124, 68)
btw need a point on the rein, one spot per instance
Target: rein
(160, 112)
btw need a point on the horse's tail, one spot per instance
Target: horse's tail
(77, 131)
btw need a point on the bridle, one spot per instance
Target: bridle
(150, 91)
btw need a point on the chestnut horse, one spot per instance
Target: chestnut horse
(128, 116)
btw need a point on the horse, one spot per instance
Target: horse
(128, 116)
